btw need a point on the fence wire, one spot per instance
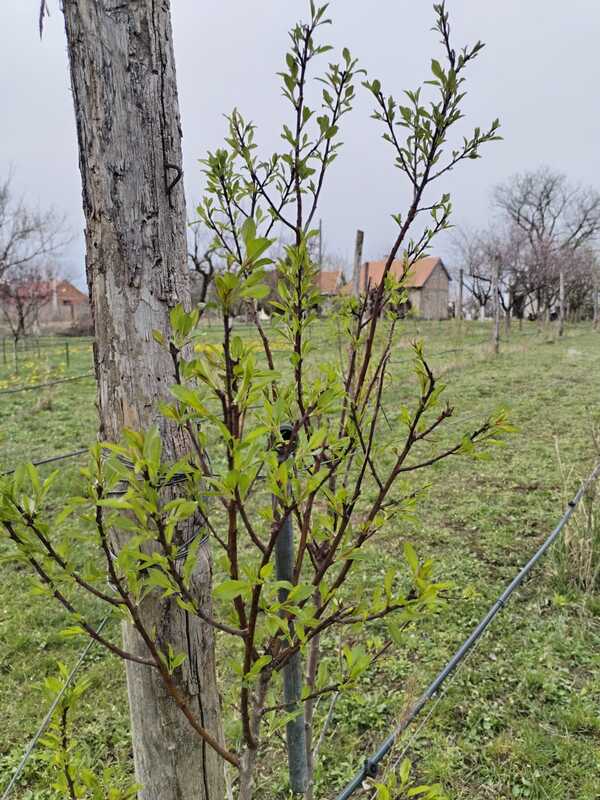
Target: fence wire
(30, 387)
(49, 460)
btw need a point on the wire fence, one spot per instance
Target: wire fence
(390, 419)
(50, 460)
(13, 353)
(32, 386)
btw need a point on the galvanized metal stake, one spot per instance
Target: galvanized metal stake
(292, 672)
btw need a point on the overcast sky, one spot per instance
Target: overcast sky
(539, 73)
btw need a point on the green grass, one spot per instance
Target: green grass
(521, 717)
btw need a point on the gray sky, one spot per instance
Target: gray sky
(539, 73)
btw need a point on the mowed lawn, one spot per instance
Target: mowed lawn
(521, 718)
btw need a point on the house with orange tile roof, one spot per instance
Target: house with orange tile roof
(329, 282)
(427, 284)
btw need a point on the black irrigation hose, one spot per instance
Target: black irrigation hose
(49, 383)
(370, 767)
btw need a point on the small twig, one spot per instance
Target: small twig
(44, 12)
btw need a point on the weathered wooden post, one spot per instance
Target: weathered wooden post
(561, 310)
(124, 90)
(320, 245)
(507, 315)
(459, 308)
(496, 302)
(67, 357)
(358, 251)
(292, 672)
(4, 350)
(595, 292)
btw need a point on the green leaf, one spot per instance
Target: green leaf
(404, 771)
(230, 589)
(152, 447)
(411, 557)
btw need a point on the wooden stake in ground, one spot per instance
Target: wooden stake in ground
(320, 244)
(496, 306)
(129, 133)
(358, 251)
(459, 309)
(595, 295)
(561, 310)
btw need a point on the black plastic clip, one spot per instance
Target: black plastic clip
(371, 768)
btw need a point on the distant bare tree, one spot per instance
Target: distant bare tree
(556, 218)
(470, 256)
(28, 237)
(24, 291)
(202, 259)
(581, 279)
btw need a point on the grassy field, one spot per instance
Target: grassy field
(521, 718)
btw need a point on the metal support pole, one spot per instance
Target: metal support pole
(459, 310)
(358, 251)
(561, 310)
(292, 671)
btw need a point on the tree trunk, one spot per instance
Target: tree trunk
(127, 114)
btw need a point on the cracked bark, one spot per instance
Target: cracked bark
(128, 125)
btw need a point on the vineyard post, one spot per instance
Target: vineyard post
(292, 672)
(320, 245)
(561, 311)
(496, 302)
(358, 250)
